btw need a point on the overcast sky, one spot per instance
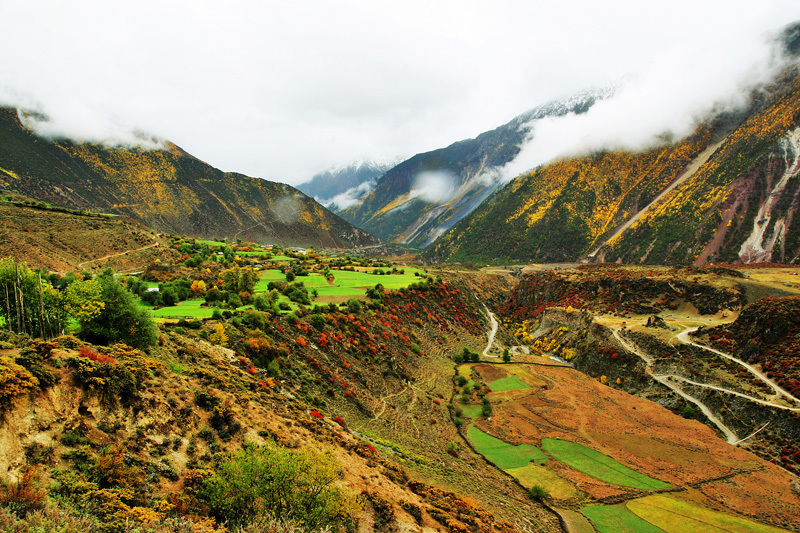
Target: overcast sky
(281, 90)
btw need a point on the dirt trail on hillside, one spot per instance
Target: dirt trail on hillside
(730, 436)
(684, 338)
(109, 256)
(690, 171)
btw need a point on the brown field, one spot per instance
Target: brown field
(642, 435)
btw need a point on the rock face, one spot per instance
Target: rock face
(167, 189)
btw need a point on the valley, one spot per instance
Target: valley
(606, 342)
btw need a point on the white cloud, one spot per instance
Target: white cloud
(283, 89)
(433, 186)
(350, 197)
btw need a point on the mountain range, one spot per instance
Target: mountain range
(341, 187)
(422, 197)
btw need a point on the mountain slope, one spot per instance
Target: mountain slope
(340, 188)
(167, 189)
(736, 204)
(420, 198)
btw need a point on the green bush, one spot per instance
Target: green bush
(122, 319)
(277, 482)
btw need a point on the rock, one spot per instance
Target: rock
(656, 321)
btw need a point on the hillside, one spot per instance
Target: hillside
(419, 199)
(673, 204)
(63, 241)
(378, 393)
(166, 189)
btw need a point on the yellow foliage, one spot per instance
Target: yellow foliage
(218, 336)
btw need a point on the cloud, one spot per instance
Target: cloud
(433, 186)
(350, 197)
(283, 89)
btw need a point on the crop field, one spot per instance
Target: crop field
(185, 309)
(508, 383)
(599, 465)
(345, 283)
(600, 442)
(504, 455)
(533, 474)
(617, 519)
(676, 516)
(471, 410)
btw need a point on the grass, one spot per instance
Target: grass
(675, 516)
(599, 465)
(345, 283)
(184, 309)
(531, 475)
(617, 519)
(508, 383)
(502, 454)
(471, 410)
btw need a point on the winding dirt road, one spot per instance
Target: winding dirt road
(730, 436)
(684, 338)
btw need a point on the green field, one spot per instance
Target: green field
(508, 383)
(617, 519)
(599, 465)
(676, 516)
(185, 309)
(345, 283)
(502, 454)
(471, 410)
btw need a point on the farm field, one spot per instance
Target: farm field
(598, 465)
(599, 444)
(502, 454)
(617, 519)
(345, 284)
(508, 383)
(673, 515)
(185, 309)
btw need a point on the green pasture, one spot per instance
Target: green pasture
(599, 465)
(345, 283)
(508, 383)
(471, 410)
(617, 519)
(185, 309)
(676, 516)
(504, 455)
(210, 243)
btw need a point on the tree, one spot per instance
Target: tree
(120, 320)
(506, 356)
(274, 481)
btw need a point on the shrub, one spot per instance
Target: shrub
(538, 492)
(273, 481)
(122, 319)
(24, 495)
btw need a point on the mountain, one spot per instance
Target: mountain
(165, 188)
(727, 193)
(422, 197)
(341, 187)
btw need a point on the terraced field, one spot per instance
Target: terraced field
(593, 448)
